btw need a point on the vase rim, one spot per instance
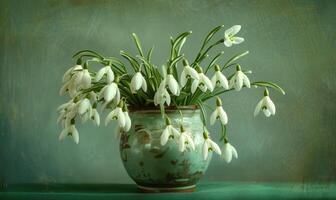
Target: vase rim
(167, 108)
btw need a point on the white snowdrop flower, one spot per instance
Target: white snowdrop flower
(137, 82)
(219, 113)
(84, 106)
(219, 79)
(117, 114)
(168, 132)
(228, 152)
(70, 130)
(172, 85)
(209, 145)
(105, 70)
(110, 92)
(230, 38)
(162, 96)
(203, 83)
(266, 105)
(188, 72)
(95, 116)
(67, 75)
(239, 79)
(185, 139)
(86, 79)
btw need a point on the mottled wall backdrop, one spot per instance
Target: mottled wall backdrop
(290, 42)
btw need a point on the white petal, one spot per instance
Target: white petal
(267, 112)
(164, 136)
(258, 107)
(206, 81)
(237, 40)
(136, 82)
(215, 147)
(222, 115)
(205, 150)
(183, 78)
(239, 81)
(83, 106)
(213, 117)
(77, 77)
(172, 84)
(63, 134)
(144, 84)
(86, 79)
(74, 134)
(64, 88)
(228, 43)
(233, 30)
(96, 117)
(117, 97)
(194, 86)
(167, 96)
(234, 152)
(227, 153)
(109, 74)
(192, 72)
(110, 116)
(246, 81)
(128, 122)
(175, 132)
(100, 74)
(121, 118)
(270, 105)
(214, 80)
(182, 142)
(110, 92)
(223, 81)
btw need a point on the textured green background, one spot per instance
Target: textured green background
(291, 42)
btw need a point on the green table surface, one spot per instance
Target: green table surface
(207, 190)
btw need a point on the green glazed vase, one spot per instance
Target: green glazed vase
(157, 168)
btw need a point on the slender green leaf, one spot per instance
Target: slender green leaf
(234, 58)
(270, 85)
(138, 44)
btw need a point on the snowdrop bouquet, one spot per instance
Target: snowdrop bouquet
(182, 81)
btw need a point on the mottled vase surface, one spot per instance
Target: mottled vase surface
(151, 165)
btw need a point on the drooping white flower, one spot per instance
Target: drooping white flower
(84, 106)
(137, 82)
(117, 114)
(266, 105)
(239, 79)
(169, 132)
(219, 113)
(67, 75)
(209, 145)
(172, 85)
(161, 96)
(219, 79)
(70, 130)
(105, 70)
(230, 38)
(185, 139)
(110, 92)
(95, 116)
(203, 83)
(188, 72)
(228, 152)
(81, 79)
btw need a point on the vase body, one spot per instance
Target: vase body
(157, 168)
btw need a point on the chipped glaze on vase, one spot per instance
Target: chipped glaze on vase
(157, 168)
